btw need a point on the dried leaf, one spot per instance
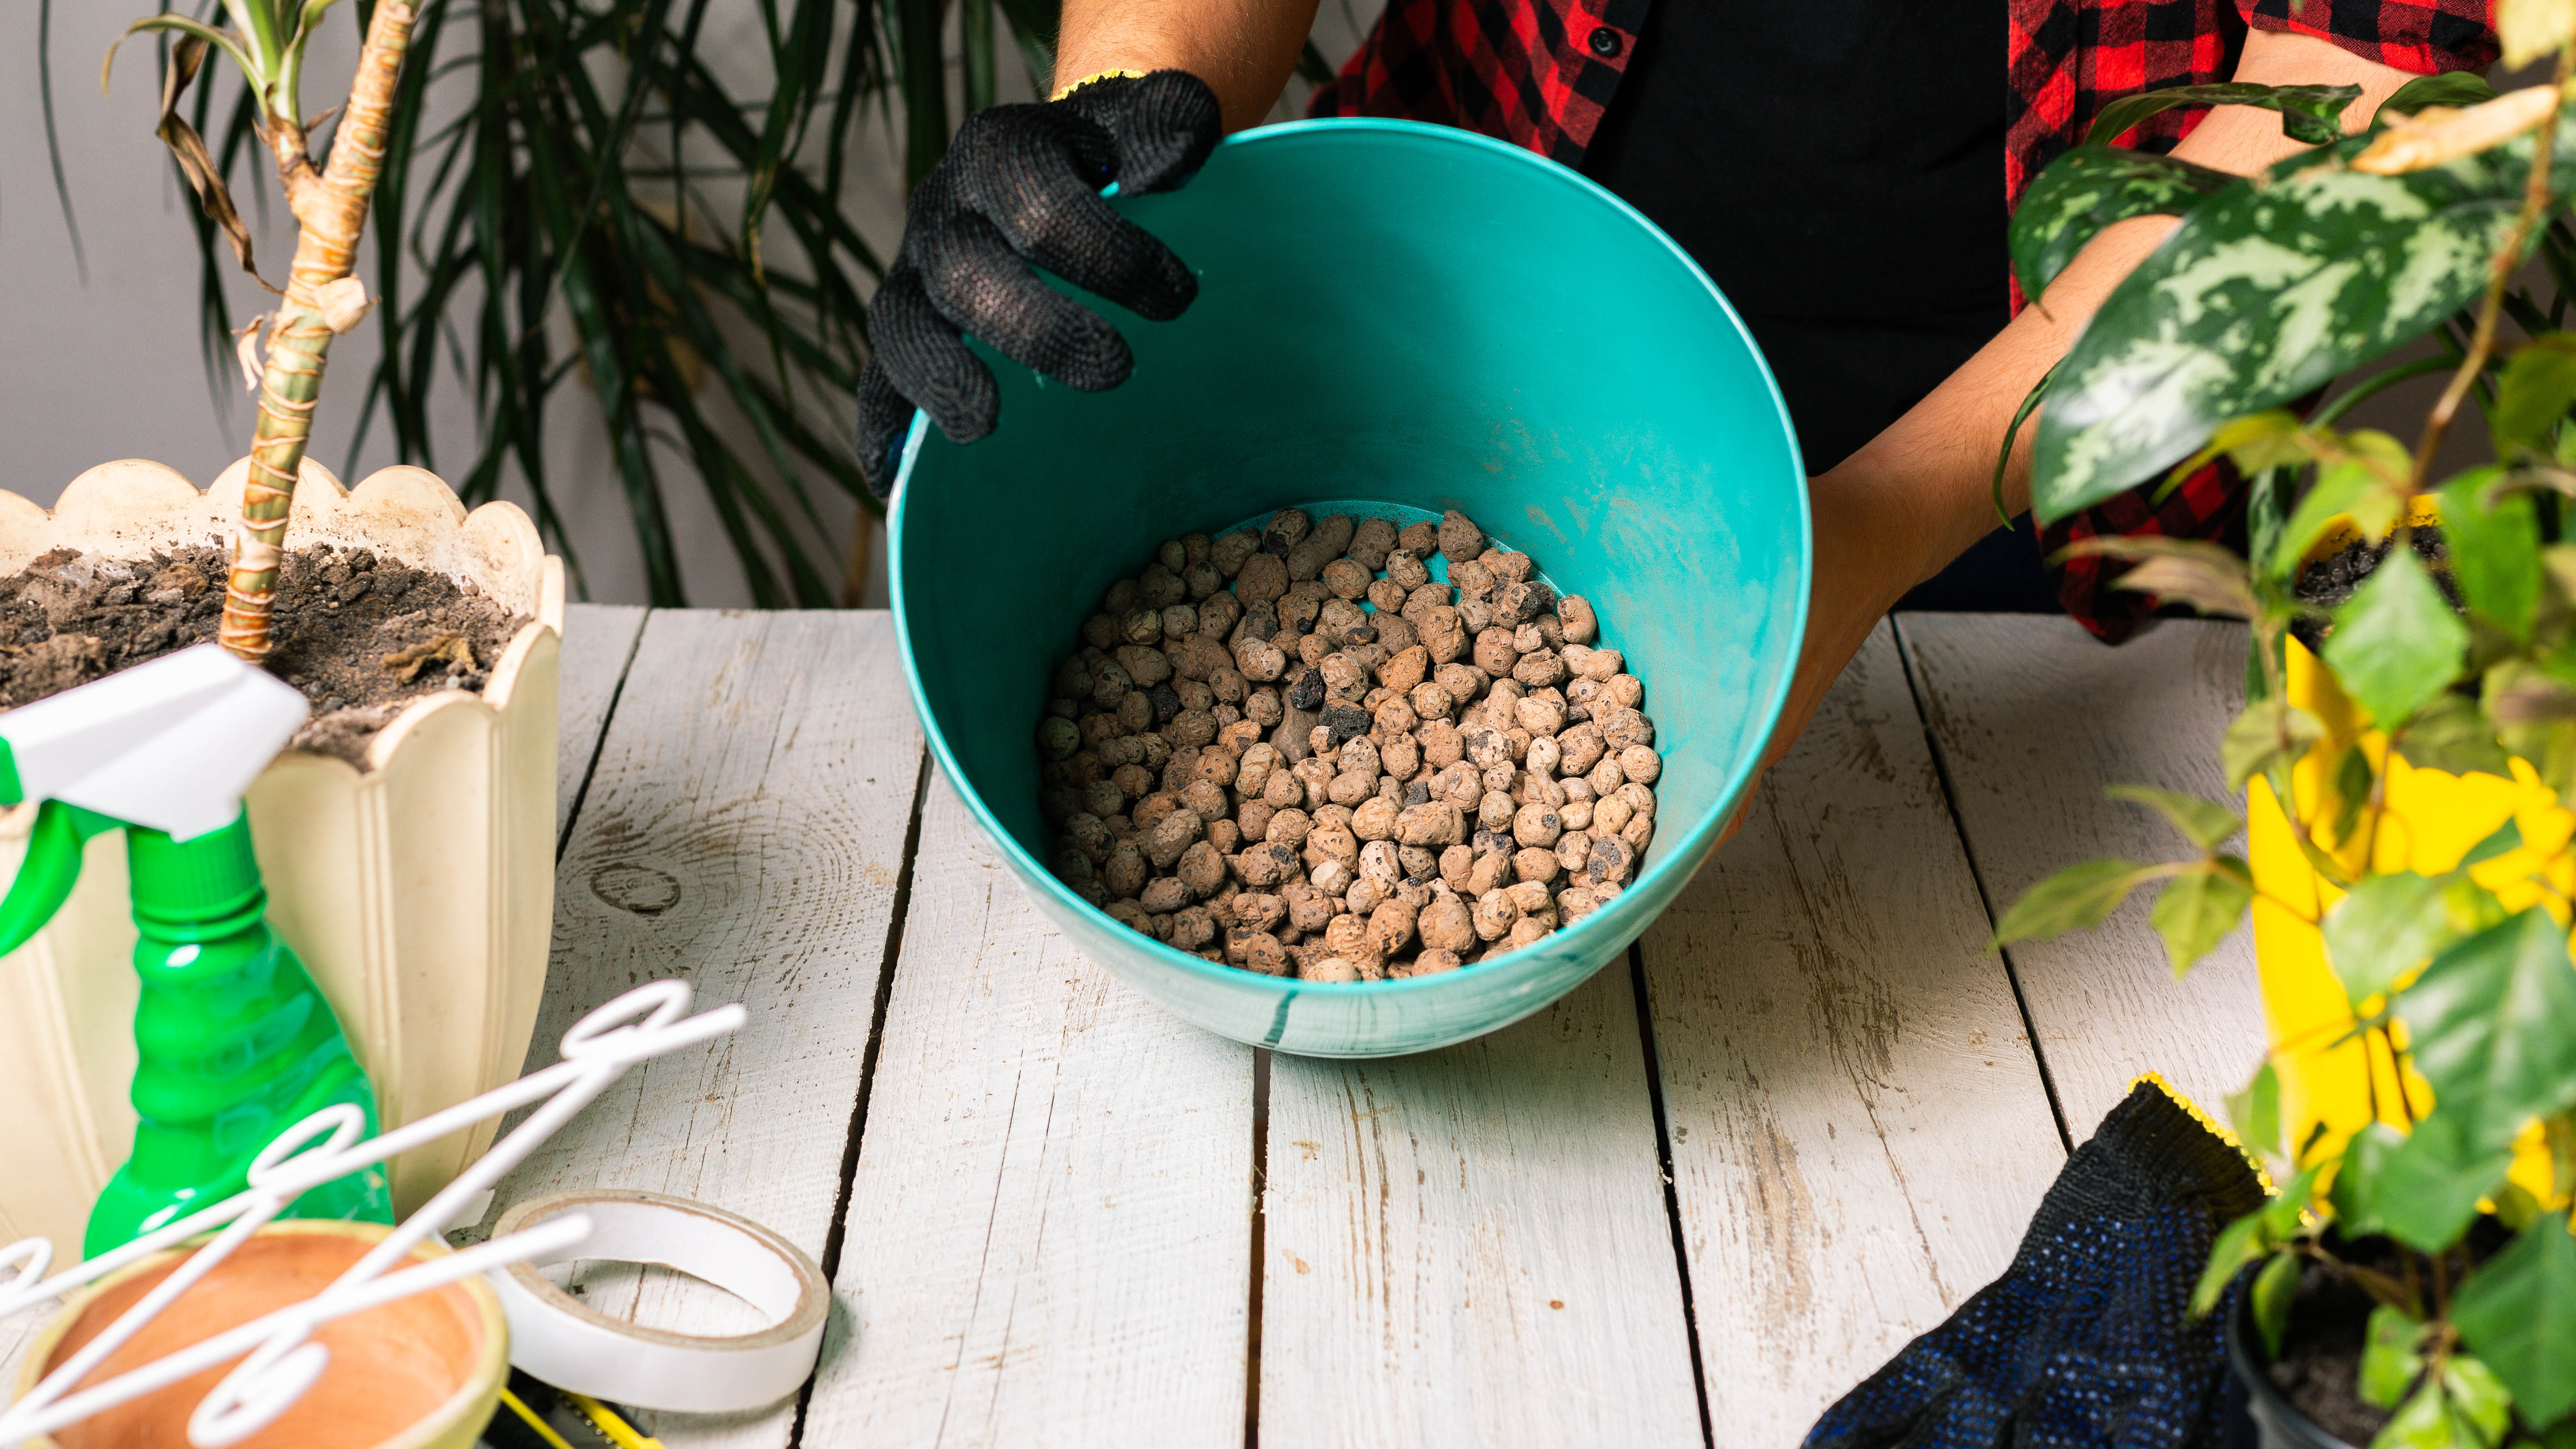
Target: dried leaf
(2204, 575)
(2210, 587)
(344, 303)
(246, 348)
(448, 648)
(2441, 133)
(189, 150)
(2517, 697)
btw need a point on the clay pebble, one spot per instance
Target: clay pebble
(1293, 750)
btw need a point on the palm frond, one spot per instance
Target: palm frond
(573, 195)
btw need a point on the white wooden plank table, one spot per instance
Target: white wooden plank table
(1691, 1204)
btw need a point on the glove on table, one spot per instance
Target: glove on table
(1021, 185)
(2087, 1339)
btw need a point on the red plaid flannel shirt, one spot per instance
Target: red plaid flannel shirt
(1539, 73)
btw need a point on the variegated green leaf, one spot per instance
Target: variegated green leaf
(2269, 289)
(2458, 88)
(2088, 189)
(2308, 113)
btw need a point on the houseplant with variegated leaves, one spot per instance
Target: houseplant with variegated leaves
(2410, 731)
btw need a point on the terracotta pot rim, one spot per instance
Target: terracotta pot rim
(491, 1368)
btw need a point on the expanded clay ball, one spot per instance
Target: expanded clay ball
(1294, 750)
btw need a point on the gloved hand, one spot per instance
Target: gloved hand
(2087, 1340)
(1021, 185)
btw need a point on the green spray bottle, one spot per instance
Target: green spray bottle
(234, 1042)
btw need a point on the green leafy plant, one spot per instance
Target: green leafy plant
(573, 195)
(2462, 657)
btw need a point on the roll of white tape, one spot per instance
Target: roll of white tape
(572, 1346)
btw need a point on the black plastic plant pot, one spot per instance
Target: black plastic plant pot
(2270, 1420)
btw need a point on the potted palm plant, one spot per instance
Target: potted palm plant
(407, 846)
(2409, 741)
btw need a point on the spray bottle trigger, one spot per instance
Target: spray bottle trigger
(51, 869)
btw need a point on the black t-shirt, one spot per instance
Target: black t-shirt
(1837, 167)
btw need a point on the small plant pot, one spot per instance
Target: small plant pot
(418, 887)
(2330, 1074)
(422, 1372)
(2276, 1423)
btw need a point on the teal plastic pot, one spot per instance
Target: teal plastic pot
(1395, 318)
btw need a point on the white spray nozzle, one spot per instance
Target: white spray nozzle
(170, 745)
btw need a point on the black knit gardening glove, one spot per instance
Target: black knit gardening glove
(2087, 1340)
(1021, 186)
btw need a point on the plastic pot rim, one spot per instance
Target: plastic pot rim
(2296, 1429)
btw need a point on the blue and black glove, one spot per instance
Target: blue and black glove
(2087, 1340)
(1020, 188)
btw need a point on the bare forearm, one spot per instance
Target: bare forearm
(1934, 467)
(1243, 49)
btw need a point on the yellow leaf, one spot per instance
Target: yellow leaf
(2441, 133)
(2531, 29)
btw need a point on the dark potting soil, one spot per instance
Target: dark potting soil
(361, 636)
(2327, 582)
(2319, 1370)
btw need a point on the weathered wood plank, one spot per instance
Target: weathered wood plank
(1859, 1131)
(744, 828)
(1049, 1234)
(599, 640)
(1470, 1247)
(16, 1332)
(2033, 718)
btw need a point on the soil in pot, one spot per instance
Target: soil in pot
(2319, 1370)
(360, 635)
(2325, 583)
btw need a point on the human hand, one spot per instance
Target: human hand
(1021, 187)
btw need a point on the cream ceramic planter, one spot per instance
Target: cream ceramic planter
(419, 889)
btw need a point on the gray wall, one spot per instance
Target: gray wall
(107, 366)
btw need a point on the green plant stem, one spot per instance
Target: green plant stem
(2372, 386)
(2535, 205)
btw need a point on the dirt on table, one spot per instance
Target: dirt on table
(361, 636)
